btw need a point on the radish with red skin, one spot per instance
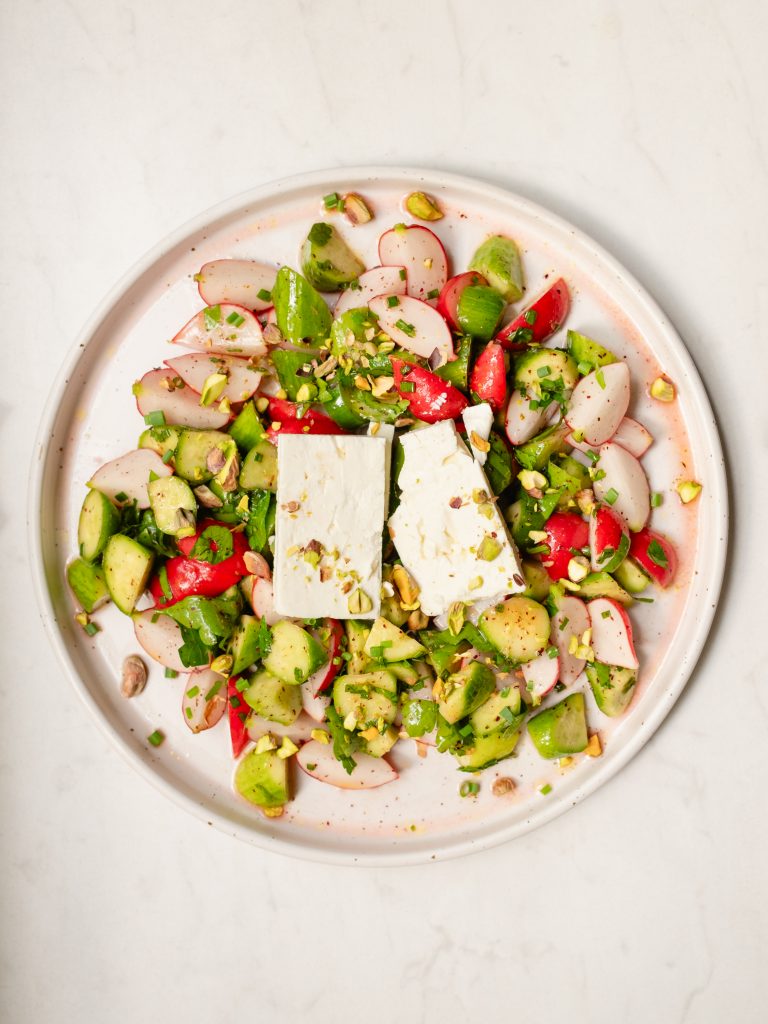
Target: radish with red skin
(633, 436)
(432, 399)
(317, 760)
(571, 619)
(608, 540)
(204, 700)
(160, 636)
(598, 403)
(287, 415)
(314, 704)
(237, 711)
(179, 405)
(566, 533)
(624, 486)
(195, 369)
(521, 422)
(488, 379)
(376, 281)
(542, 318)
(421, 252)
(262, 598)
(655, 556)
(413, 325)
(541, 675)
(611, 633)
(186, 576)
(129, 475)
(225, 329)
(236, 282)
(448, 301)
(322, 679)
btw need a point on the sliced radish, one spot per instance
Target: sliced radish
(566, 533)
(581, 445)
(299, 731)
(180, 406)
(195, 369)
(236, 282)
(624, 486)
(655, 556)
(611, 633)
(521, 421)
(633, 436)
(571, 619)
(129, 475)
(204, 700)
(315, 704)
(161, 638)
(542, 318)
(226, 329)
(541, 675)
(448, 302)
(317, 760)
(598, 403)
(376, 281)
(421, 252)
(422, 328)
(262, 599)
(608, 540)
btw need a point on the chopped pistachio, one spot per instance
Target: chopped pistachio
(222, 665)
(273, 812)
(370, 734)
(361, 383)
(532, 480)
(456, 614)
(417, 620)
(488, 549)
(265, 743)
(262, 404)
(594, 748)
(356, 209)
(578, 568)
(476, 582)
(423, 206)
(358, 602)
(663, 390)
(407, 587)
(479, 442)
(538, 536)
(306, 393)
(213, 387)
(351, 722)
(688, 490)
(287, 748)
(320, 735)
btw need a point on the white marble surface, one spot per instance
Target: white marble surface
(645, 124)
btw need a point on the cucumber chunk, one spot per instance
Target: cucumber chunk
(613, 687)
(294, 654)
(99, 519)
(127, 565)
(380, 745)
(173, 505)
(465, 690)
(536, 453)
(327, 261)
(600, 584)
(194, 454)
(498, 260)
(404, 672)
(386, 642)
(272, 698)
(518, 628)
(543, 366)
(489, 750)
(160, 439)
(302, 315)
(245, 647)
(247, 430)
(479, 311)
(631, 577)
(357, 634)
(488, 717)
(585, 350)
(560, 730)
(259, 469)
(567, 475)
(263, 779)
(88, 584)
(537, 581)
(368, 696)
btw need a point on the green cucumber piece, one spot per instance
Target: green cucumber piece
(247, 429)
(600, 584)
(370, 408)
(173, 505)
(301, 313)
(386, 642)
(160, 439)
(560, 730)
(262, 779)
(99, 520)
(127, 565)
(381, 744)
(537, 581)
(456, 371)
(419, 717)
(404, 672)
(499, 464)
(491, 716)
(340, 410)
(327, 262)
(479, 311)
(536, 453)
(194, 453)
(368, 696)
(489, 750)
(586, 351)
(294, 654)
(465, 690)
(543, 366)
(245, 645)
(613, 687)
(259, 469)
(272, 698)
(88, 584)
(631, 577)
(517, 627)
(353, 337)
(288, 363)
(498, 260)
(357, 634)
(567, 475)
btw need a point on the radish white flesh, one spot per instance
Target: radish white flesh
(317, 760)
(624, 486)
(633, 436)
(180, 406)
(226, 329)
(204, 700)
(197, 367)
(598, 403)
(421, 252)
(612, 633)
(541, 675)
(129, 475)
(425, 331)
(263, 600)
(299, 731)
(161, 639)
(522, 422)
(236, 282)
(315, 705)
(377, 281)
(571, 619)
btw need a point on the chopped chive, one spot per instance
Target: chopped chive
(264, 295)
(469, 789)
(407, 386)
(214, 689)
(236, 319)
(405, 327)
(552, 651)
(530, 316)
(584, 368)
(543, 371)
(168, 456)
(600, 378)
(234, 701)
(656, 499)
(297, 674)
(121, 496)
(434, 293)
(155, 419)
(593, 456)
(91, 629)
(188, 712)
(534, 404)
(545, 789)
(241, 685)
(506, 714)
(598, 475)
(171, 673)
(156, 738)
(311, 767)
(465, 731)
(611, 496)
(402, 274)
(539, 549)
(331, 201)
(154, 618)
(212, 317)
(392, 301)
(193, 691)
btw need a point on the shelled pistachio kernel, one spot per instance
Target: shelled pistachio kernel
(688, 490)
(663, 390)
(423, 206)
(356, 210)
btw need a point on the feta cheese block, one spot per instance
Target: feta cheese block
(330, 515)
(454, 543)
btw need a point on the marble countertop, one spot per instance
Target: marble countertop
(644, 124)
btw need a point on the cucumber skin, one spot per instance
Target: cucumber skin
(519, 631)
(321, 263)
(294, 654)
(489, 750)
(613, 688)
(88, 584)
(247, 430)
(374, 706)
(259, 469)
(273, 699)
(479, 311)
(536, 453)
(262, 779)
(116, 554)
(585, 350)
(498, 260)
(99, 520)
(300, 311)
(561, 364)
(560, 730)
(471, 687)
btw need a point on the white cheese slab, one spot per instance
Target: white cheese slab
(330, 495)
(438, 542)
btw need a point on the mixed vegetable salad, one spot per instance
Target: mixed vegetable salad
(180, 533)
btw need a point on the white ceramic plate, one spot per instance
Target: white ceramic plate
(92, 417)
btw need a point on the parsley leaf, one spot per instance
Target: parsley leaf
(344, 743)
(214, 545)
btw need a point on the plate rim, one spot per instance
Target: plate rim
(141, 762)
